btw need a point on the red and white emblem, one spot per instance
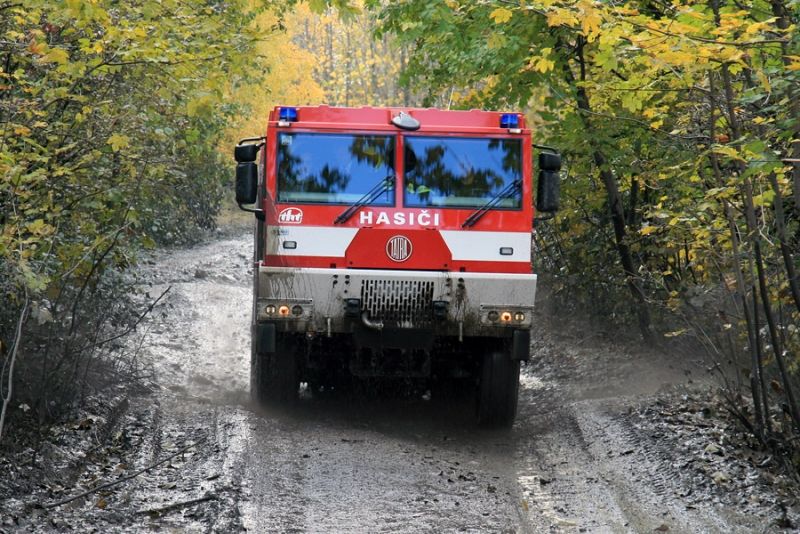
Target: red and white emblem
(398, 248)
(291, 216)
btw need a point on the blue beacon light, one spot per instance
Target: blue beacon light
(509, 120)
(288, 114)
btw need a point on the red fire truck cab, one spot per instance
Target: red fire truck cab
(393, 242)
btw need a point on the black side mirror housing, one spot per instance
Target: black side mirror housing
(550, 161)
(548, 191)
(246, 153)
(246, 182)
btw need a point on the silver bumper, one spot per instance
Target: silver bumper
(469, 304)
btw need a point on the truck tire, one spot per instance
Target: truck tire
(274, 378)
(498, 391)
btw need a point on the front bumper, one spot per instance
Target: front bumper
(449, 303)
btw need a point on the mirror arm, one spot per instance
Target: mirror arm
(545, 147)
(263, 139)
(258, 213)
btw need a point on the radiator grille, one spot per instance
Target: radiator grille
(404, 303)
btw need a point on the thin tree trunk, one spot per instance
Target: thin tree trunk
(777, 346)
(756, 369)
(780, 223)
(614, 202)
(12, 360)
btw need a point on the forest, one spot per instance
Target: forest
(679, 123)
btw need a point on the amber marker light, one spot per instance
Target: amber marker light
(283, 310)
(505, 316)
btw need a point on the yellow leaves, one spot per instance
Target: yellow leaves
(542, 63)
(55, 55)
(794, 63)
(647, 230)
(727, 151)
(39, 228)
(118, 142)
(582, 14)
(764, 199)
(590, 21)
(501, 15)
(561, 17)
(37, 48)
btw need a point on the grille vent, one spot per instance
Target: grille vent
(406, 303)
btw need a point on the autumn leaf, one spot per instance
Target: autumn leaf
(118, 142)
(501, 15)
(55, 55)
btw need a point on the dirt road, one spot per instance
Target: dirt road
(587, 453)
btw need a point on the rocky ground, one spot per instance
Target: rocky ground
(608, 439)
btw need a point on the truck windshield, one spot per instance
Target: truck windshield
(461, 172)
(334, 168)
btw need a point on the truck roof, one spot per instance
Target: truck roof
(433, 118)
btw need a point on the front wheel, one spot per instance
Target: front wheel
(274, 377)
(499, 390)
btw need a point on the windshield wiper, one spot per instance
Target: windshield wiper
(368, 197)
(493, 202)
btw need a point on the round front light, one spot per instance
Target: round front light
(505, 317)
(283, 310)
(492, 316)
(270, 309)
(297, 310)
(519, 317)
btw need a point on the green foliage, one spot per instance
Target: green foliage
(111, 116)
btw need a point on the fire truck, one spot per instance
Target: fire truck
(393, 242)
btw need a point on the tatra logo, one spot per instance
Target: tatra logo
(291, 216)
(398, 248)
(399, 218)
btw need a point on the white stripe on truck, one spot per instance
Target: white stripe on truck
(485, 246)
(311, 240)
(464, 245)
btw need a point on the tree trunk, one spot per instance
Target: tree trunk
(615, 203)
(777, 346)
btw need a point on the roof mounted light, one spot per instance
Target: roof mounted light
(287, 114)
(509, 120)
(405, 121)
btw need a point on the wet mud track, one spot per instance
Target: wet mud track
(579, 458)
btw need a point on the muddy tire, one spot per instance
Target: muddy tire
(274, 377)
(498, 391)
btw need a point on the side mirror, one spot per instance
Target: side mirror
(246, 182)
(550, 161)
(246, 153)
(548, 190)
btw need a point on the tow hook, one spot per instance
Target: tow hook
(374, 325)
